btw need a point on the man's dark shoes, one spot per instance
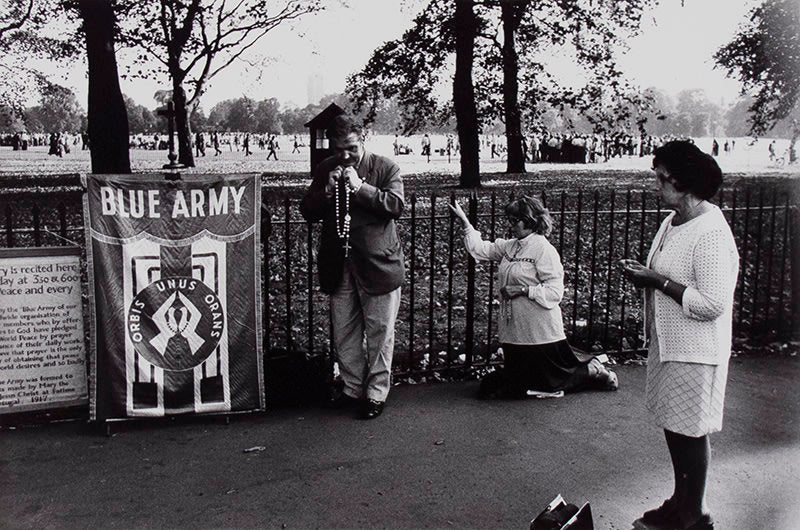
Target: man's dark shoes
(372, 409)
(664, 515)
(342, 401)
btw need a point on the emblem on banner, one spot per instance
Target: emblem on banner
(175, 323)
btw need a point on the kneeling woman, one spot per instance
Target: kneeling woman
(536, 353)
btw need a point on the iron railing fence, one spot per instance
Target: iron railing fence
(448, 314)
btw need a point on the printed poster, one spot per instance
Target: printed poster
(175, 277)
(42, 348)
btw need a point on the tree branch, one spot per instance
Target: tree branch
(18, 23)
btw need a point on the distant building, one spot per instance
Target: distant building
(314, 88)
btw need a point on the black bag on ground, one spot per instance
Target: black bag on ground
(562, 516)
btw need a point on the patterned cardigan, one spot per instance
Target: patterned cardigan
(702, 255)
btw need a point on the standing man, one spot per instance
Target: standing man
(246, 145)
(358, 195)
(272, 144)
(215, 140)
(200, 144)
(426, 146)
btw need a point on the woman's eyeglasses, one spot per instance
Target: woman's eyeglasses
(513, 220)
(663, 178)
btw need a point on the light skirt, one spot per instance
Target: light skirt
(686, 398)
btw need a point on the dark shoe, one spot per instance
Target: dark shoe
(342, 401)
(705, 522)
(492, 385)
(664, 515)
(601, 377)
(372, 409)
(612, 383)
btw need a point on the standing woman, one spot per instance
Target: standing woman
(688, 283)
(536, 353)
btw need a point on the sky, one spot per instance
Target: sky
(673, 52)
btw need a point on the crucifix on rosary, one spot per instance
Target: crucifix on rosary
(343, 219)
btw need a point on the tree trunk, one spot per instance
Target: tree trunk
(108, 120)
(184, 132)
(464, 94)
(512, 15)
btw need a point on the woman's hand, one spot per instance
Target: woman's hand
(456, 209)
(640, 275)
(512, 291)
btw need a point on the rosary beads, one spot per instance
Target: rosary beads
(343, 223)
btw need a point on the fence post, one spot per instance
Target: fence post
(412, 282)
(470, 324)
(795, 254)
(9, 226)
(37, 232)
(266, 231)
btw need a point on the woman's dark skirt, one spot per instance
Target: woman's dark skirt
(542, 367)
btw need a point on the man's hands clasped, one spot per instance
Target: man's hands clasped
(348, 174)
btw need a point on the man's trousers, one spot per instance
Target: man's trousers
(363, 332)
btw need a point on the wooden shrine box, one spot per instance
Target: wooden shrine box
(320, 144)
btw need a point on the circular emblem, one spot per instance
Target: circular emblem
(175, 323)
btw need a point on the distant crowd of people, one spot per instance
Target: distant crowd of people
(547, 147)
(585, 149)
(59, 143)
(217, 141)
(537, 147)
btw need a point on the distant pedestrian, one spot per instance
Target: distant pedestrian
(200, 144)
(246, 145)
(215, 141)
(525, 149)
(426, 146)
(272, 145)
(295, 145)
(55, 144)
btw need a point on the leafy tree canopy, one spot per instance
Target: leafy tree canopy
(765, 57)
(413, 69)
(59, 111)
(30, 29)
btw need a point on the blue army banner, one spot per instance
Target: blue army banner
(175, 285)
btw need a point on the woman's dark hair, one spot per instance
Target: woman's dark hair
(532, 213)
(342, 125)
(692, 170)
